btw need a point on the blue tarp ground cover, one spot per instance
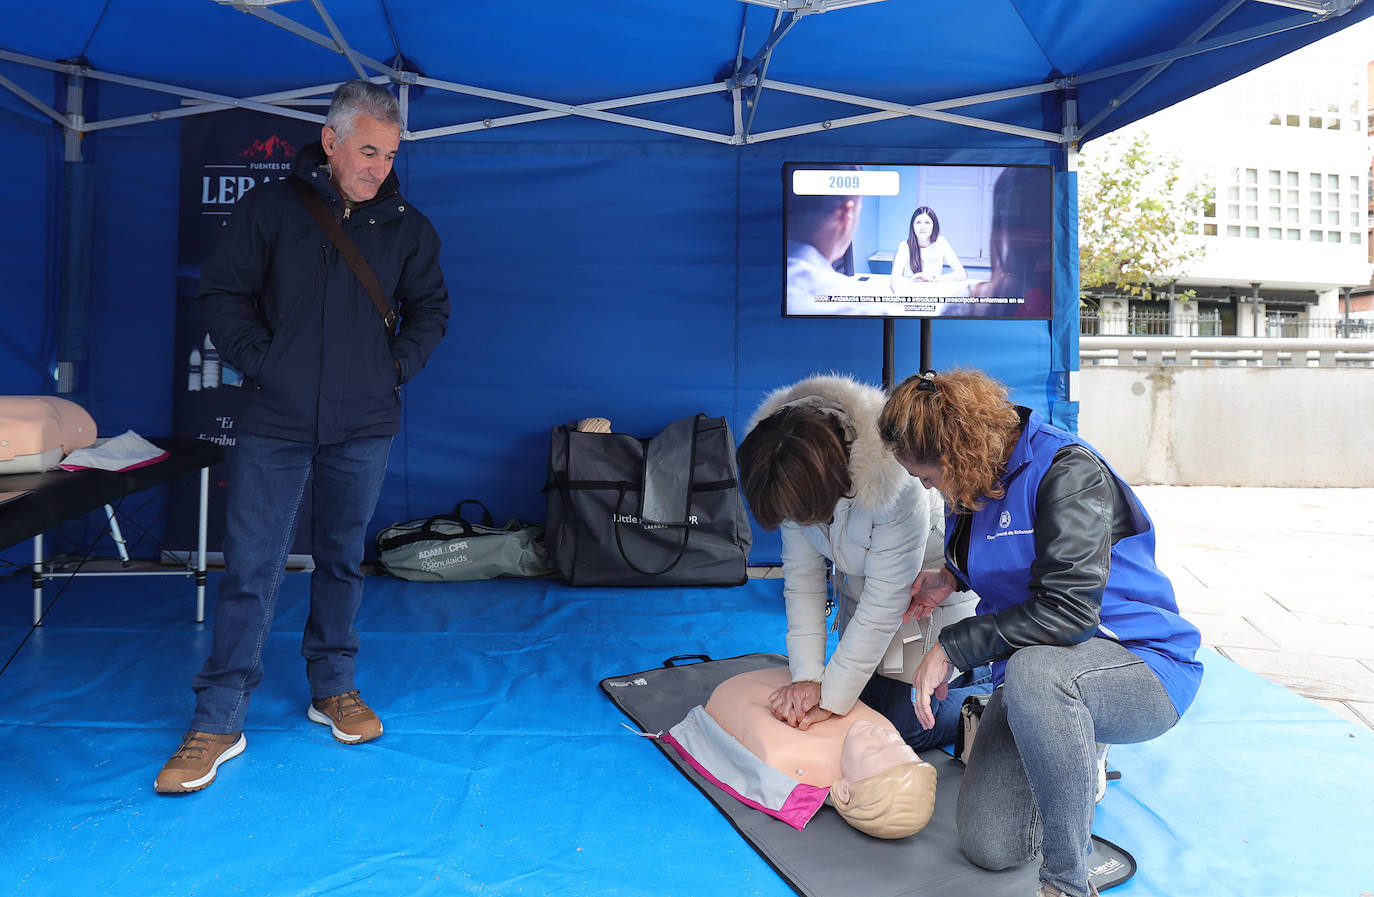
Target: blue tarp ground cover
(504, 771)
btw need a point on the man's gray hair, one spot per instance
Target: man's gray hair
(354, 98)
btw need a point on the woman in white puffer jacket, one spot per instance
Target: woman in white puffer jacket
(812, 465)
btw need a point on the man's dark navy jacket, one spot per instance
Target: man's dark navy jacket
(283, 307)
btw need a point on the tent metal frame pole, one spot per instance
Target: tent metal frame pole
(339, 41)
(1155, 71)
(33, 101)
(1160, 61)
(315, 37)
(552, 109)
(737, 91)
(789, 13)
(291, 97)
(86, 71)
(757, 71)
(808, 7)
(898, 109)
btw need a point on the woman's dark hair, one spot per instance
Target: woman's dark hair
(794, 466)
(913, 246)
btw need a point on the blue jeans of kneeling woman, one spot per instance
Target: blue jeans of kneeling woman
(267, 478)
(1032, 776)
(892, 699)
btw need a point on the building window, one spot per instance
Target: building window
(1209, 230)
(1252, 233)
(1233, 230)
(1276, 233)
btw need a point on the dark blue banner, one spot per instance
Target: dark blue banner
(223, 156)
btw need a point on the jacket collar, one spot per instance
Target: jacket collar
(1023, 453)
(312, 166)
(877, 478)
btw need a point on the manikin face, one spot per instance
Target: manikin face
(870, 749)
(922, 227)
(360, 162)
(930, 475)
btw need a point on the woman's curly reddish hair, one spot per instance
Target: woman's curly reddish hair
(961, 420)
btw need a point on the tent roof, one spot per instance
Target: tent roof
(838, 66)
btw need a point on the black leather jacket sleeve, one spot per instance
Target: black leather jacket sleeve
(1078, 518)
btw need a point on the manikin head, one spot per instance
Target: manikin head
(886, 790)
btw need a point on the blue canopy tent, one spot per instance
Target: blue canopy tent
(606, 182)
(606, 179)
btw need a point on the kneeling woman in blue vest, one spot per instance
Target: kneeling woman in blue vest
(1080, 625)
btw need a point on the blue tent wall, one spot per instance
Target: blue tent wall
(28, 219)
(636, 281)
(595, 268)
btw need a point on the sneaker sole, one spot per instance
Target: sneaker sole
(339, 734)
(199, 784)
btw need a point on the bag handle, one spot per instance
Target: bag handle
(355, 260)
(487, 519)
(680, 658)
(691, 461)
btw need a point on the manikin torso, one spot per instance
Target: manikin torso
(854, 746)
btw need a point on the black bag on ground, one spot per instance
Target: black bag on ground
(448, 548)
(664, 511)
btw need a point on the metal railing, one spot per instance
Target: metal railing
(1207, 322)
(1264, 351)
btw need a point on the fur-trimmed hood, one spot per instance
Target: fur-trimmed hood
(877, 477)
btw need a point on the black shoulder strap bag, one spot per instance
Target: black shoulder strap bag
(350, 253)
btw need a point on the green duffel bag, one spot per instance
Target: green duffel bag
(448, 548)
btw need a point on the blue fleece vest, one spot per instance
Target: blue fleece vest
(1138, 607)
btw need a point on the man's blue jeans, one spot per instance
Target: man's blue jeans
(267, 479)
(1031, 779)
(892, 699)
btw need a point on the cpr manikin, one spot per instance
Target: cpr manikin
(877, 783)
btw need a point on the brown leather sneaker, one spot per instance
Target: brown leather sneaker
(194, 764)
(351, 721)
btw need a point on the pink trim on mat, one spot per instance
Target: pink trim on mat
(135, 466)
(801, 804)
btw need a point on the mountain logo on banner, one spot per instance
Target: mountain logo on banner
(273, 147)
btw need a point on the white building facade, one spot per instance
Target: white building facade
(1286, 153)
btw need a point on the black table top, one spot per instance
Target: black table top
(52, 496)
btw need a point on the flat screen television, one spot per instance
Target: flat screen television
(918, 241)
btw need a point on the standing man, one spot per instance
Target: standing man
(284, 306)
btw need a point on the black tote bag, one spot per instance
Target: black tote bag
(664, 511)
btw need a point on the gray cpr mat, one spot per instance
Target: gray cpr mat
(828, 858)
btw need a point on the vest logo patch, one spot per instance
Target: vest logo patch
(1005, 520)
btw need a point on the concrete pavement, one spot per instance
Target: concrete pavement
(1281, 581)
